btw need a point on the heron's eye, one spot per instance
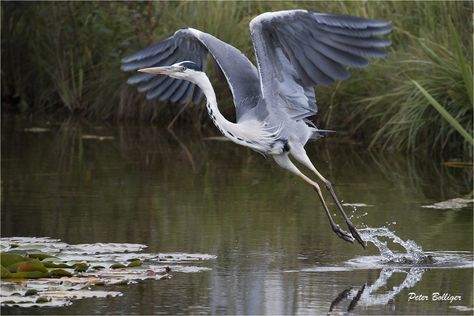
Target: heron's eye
(183, 68)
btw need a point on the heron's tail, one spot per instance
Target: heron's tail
(318, 133)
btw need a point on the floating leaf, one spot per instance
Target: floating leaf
(30, 275)
(60, 273)
(41, 256)
(81, 294)
(50, 264)
(135, 263)
(117, 266)
(106, 248)
(31, 292)
(81, 267)
(5, 273)
(42, 300)
(69, 276)
(14, 267)
(9, 258)
(30, 266)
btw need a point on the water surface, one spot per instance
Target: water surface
(275, 251)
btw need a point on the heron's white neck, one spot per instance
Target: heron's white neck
(249, 133)
(224, 126)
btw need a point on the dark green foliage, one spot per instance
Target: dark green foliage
(65, 57)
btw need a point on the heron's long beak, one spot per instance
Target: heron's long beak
(166, 70)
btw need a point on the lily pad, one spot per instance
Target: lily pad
(117, 266)
(41, 256)
(42, 300)
(5, 273)
(31, 266)
(135, 263)
(30, 275)
(60, 273)
(9, 258)
(81, 267)
(46, 272)
(51, 264)
(31, 292)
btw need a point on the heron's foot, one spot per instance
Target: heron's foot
(342, 233)
(355, 234)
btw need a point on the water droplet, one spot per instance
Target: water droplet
(413, 255)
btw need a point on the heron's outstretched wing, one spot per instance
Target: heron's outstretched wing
(193, 45)
(297, 50)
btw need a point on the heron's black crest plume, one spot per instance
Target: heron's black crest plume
(191, 65)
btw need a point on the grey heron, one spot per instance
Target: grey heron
(295, 50)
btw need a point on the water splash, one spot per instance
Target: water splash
(413, 254)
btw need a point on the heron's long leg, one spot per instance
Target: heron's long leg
(285, 162)
(301, 156)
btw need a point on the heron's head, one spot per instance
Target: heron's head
(186, 70)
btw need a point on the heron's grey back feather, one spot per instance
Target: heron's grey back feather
(193, 45)
(297, 50)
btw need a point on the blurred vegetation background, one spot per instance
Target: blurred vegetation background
(63, 58)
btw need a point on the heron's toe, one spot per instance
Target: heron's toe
(343, 234)
(356, 235)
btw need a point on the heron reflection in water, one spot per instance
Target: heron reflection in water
(367, 296)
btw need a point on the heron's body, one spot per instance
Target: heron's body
(266, 132)
(295, 50)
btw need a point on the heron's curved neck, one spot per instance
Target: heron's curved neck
(217, 118)
(249, 133)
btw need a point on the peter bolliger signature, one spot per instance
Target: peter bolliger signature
(435, 296)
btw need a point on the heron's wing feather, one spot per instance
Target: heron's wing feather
(193, 45)
(178, 47)
(297, 50)
(240, 73)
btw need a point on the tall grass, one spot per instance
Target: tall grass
(402, 115)
(65, 57)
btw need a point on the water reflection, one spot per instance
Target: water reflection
(367, 296)
(184, 193)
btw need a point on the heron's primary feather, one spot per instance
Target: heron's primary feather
(297, 50)
(175, 48)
